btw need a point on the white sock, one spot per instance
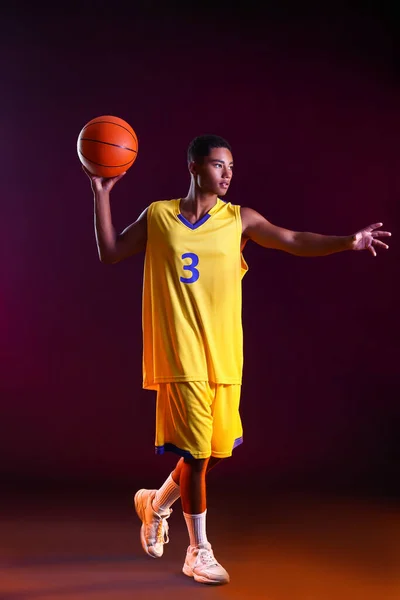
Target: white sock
(166, 496)
(196, 525)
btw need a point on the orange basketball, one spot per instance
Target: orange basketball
(107, 146)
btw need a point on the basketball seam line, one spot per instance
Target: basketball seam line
(108, 144)
(101, 165)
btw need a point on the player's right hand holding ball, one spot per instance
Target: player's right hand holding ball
(102, 184)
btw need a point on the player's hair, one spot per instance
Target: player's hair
(201, 146)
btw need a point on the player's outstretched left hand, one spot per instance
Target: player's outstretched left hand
(366, 239)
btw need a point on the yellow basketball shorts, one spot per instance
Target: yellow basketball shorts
(198, 419)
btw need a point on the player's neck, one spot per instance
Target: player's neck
(198, 203)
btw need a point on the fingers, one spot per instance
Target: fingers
(381, 234)
(376, 243)
(378, 233)
(375, 226)
(380, 244)
(109, 182)
(88, 173)
(119, 177)
(93, 177)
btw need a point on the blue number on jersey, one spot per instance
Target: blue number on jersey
(192, 268)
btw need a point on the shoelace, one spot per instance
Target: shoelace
(162, 531)
(207, 558)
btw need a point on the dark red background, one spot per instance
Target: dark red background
(310, 104)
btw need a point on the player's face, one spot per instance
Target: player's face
(214, 174)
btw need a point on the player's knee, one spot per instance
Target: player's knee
(197, 464)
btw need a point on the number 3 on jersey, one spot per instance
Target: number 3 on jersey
(191, 267)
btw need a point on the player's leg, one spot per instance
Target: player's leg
(193, 485)
(200, 562)
(154, 529)
(176, 473)
(168, 493)
(184, 421)
(154, 507)
(170, 490)
(184, 425)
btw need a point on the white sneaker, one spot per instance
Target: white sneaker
(200, 563)
(154, 529)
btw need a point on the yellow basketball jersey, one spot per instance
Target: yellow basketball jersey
(192, 296)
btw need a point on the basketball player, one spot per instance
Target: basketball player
(192, 330)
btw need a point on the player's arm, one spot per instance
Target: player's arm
(112, 246)
(303, 243)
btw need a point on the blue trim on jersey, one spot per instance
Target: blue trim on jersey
(195, 225)
(172, 448)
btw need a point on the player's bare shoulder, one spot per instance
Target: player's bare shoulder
(250, 218)
(247, 216)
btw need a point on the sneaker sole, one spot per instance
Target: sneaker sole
(189, 572)
(140, 513)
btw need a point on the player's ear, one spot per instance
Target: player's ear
(192, 167)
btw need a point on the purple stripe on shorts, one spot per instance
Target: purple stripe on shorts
(172, 448)
(237, 442)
